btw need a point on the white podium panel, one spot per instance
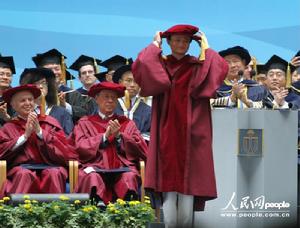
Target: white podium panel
(255, 157)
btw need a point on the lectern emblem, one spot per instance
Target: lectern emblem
(250, 142)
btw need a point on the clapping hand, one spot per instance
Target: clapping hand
(113, 129)
(3, 111)
(32, 125)
(279, 95)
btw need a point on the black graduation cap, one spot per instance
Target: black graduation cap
(7, 62)
(69, 76)
(276, 62)
(239, 51)
(297, 54)
(121, 70)
(84, 60)
(52, 56)
(261, 69)
(114, 62)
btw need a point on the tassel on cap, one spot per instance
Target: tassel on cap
(288, 76)
(127, 100)
(63, 70)
(204, 46)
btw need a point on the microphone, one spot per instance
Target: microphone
(252, 73)
(240, 73)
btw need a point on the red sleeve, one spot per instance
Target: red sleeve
(209, 76)
(54, 146)
(86, 140)
(133, 143)
(8, 138)
(149, 73)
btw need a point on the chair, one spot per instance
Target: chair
(73, 174)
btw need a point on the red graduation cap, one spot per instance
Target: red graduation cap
(189, 30)
(95, 89)
(8, 94)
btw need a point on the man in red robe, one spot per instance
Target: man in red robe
(180, 161)
(29, 140)
(109, 148)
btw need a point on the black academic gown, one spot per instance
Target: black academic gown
(82, 91)
(255, 92)
(81, 105)
(63, 117)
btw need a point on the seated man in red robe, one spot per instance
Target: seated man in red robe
(109, 147)
(35, 147)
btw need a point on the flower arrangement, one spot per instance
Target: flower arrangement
(64, 213)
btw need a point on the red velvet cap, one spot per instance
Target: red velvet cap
(8, 94)
(189, 30)
(95, 89)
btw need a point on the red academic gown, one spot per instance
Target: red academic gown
(53, 150)
(180, 152)
(87, 136)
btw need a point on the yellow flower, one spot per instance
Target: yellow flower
(34, 201)
(63, 198)
(111, 209)
(146, 197)
(133, 203)
(6, 198)
(77, 202)
(1, 201)
(121, 202)
(56, 207)
(147, 201)
(27, 206)
(26, 197)
(88, 209)
(117, 211)
(27, 201)
(1, 207)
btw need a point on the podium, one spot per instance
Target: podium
(255, 157)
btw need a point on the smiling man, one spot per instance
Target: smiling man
(86, 67)
(180, 163)
(31, 139)
(278, 95)
(109, 148)
(7, 69)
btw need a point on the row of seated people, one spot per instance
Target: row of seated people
(68, 105)
(108, 147)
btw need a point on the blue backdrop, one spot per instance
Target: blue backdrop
(105, 28)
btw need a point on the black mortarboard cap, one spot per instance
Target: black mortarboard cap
(297, 54)
(261, 69)
(52, 56)
(114, 62)
(239, 51)
(8, 62)
(276, 62)
(101, 76)
(121, 70)
(84, 60)
(69, 76)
